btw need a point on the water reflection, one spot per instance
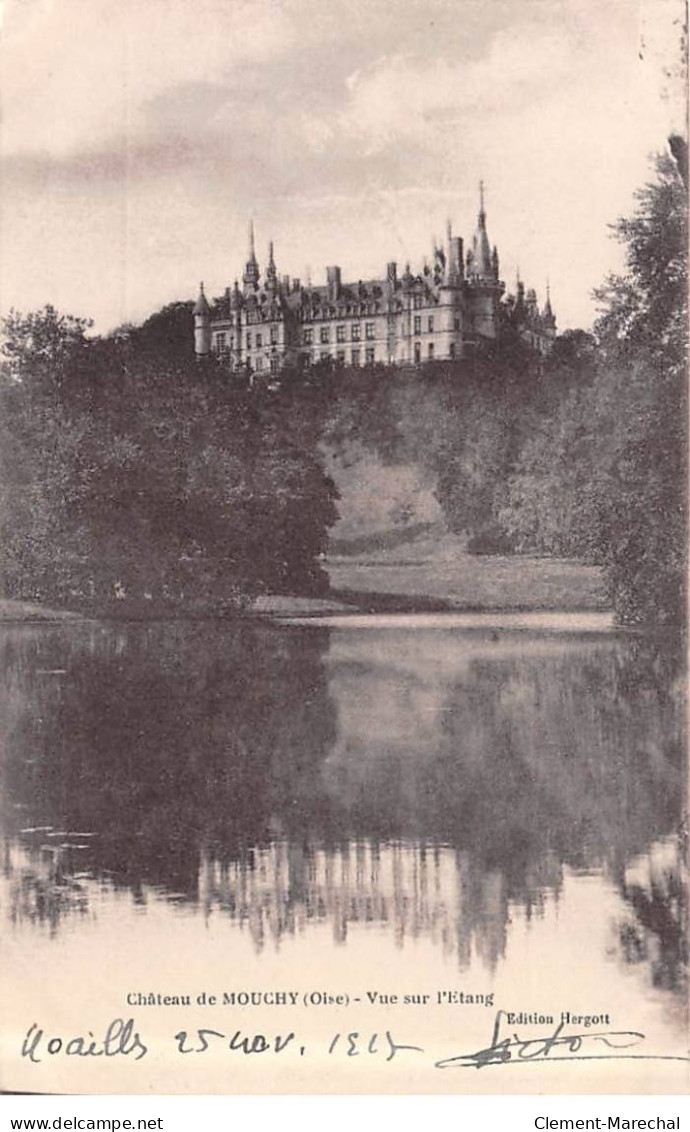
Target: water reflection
(427, 782)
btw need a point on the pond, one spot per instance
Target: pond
(475, 815)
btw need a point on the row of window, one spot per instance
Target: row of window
(369, 354)
(223, 345)
(259, 338)
(225, 342)
(355, 356)
(317, 312)
(340, 333)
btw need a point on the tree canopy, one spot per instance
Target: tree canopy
(131, 477)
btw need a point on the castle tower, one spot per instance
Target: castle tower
(484, 287)
(251, 271)
(202, 325)
(448, 322)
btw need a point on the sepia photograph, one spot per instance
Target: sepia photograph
(343, 547)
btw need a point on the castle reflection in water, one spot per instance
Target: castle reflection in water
(426, 783)
(413, 890)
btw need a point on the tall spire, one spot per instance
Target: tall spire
(481, 251)
(519, 291)
(548, 311)
(251, 271)
(271, 273)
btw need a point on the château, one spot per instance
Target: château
(449, 310)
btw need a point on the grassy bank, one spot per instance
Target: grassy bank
(27, 612)
(437, 573)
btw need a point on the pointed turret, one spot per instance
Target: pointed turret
(484, 287)
(201, 306)
(251, 271)
(235, 297)
(519, 293)
(202, 324)
(481, 250)
(548, 315)
(271, 273)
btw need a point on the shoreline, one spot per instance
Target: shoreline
(435, 577)
(277, 607)
(432, 574)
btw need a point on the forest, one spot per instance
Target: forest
(133, 476)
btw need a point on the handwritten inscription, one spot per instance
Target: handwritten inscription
(123, 1039)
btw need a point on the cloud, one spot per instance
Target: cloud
(77, 72)
(406, 98)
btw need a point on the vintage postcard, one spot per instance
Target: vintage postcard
(343, 546)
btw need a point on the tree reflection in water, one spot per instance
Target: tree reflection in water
(422, 779)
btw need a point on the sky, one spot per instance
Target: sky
(137, 138)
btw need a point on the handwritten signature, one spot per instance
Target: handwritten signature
(569, 1047)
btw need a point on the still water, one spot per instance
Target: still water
(406, 804)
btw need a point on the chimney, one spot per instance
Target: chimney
(455, 249)
(295, 284)
(333, 280)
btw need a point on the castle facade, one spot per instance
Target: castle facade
(447, 311)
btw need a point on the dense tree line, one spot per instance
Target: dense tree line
(130, 474)
(604, 473)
